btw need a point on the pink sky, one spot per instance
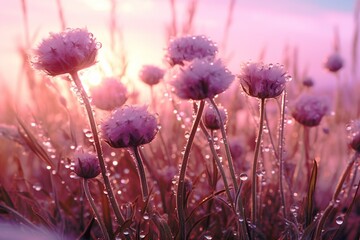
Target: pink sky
(255, 26)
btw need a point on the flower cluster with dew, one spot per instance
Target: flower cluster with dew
(263, 80)
(188, 48)
(130, 126)
(308, 110)
(211, 118)
(66, 52)
(86, 165)
(201, 79)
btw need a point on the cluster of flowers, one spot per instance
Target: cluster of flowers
(201, 76)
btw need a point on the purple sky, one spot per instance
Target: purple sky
(260, 25)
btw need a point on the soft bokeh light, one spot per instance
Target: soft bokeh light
(273, 30)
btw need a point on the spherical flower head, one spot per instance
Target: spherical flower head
(354, 135)
(308, 110)
(308, 82)
(263, 81)
(202, 79)
(110, 94)
(151, 75)
(211, 118)
(334, 62)
(130, 126)
(190, 47)
(86, 165)
(66, 52)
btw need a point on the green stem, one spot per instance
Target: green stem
(227, 148)
(93, 206)
(99, 152)
(181, 184)
(142, 175)
(333, 203)
(256, 156)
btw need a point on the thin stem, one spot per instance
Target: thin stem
(227, 148)
(218, 162)
(99, 152)
(256, 156)
(307, 152)
(333, 203)
(141, 172)
(181, 184)
(280, 153)
(93, 206)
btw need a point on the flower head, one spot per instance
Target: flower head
(263, 81)
(211, 118)
(130, 126)
(308, 82)
(66, 52)
(309, 110)
(190, 47)
(354, 135)
(110, 94)
(151, 75)
(86, 165)
(334, 62)
(202, 79)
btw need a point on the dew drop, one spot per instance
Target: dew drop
(243, 177)
(37, 187)
(339, 220)
(208, 237)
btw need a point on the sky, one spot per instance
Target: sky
(259, 26)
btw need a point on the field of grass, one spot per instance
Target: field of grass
(276, 167)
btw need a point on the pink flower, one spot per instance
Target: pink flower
(354, 135)
(308, 110)
(151, 75)
(202, 79)
(86, 165)
(263, 81)
(211, 118)
(66, 52)
(130, 126)
(109, 95)
(334, 62)
(187, 48)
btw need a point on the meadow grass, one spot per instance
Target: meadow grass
(261, 175)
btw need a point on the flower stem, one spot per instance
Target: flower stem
(99, 152)
(227, 148)
(218, 162)
(256, 156)
(141, 172)
(280, 153)
(333, 203)
(93, 206)
(181, 184)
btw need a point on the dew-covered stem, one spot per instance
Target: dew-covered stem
(99, 152)
(256, 156)
(227, 148)
(180, 196)
(333, 203)
(141, 172)
(218, 162)
(93, 207)
(280, 153)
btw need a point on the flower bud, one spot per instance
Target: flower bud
(86, 165)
